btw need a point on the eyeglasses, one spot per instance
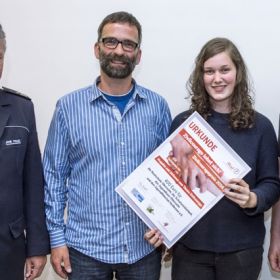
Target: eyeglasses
(112, 43)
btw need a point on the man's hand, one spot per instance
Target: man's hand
(60, 261)
(34, 266)
(167, 254)
(274, 253)
(274, 248)
(154, 237)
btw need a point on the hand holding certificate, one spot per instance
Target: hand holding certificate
(182, 179)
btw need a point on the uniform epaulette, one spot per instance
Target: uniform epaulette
(16, 93)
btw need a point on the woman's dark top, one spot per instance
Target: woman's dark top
(227, 227)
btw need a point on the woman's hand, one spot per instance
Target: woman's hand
(238, 191)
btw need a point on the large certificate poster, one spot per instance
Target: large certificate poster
(172, 198)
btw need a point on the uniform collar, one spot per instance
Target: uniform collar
(3, 98)
(4, 111)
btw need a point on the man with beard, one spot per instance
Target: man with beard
(99, 134)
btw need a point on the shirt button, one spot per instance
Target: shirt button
(122, 143)
(123, 163)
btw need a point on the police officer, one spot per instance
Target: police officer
(24, 239)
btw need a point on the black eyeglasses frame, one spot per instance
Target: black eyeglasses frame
(134, 45)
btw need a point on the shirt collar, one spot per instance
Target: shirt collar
(96, 93)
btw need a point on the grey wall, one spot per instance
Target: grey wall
(50, 51)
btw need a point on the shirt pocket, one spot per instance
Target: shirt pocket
(145, 137)
(12, 155)
(153, 132)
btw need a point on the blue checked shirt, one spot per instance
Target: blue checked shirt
(90, 149)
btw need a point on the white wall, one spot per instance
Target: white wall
(50, 51)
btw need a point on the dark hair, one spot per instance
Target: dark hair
(3, 36)
(242, 111)
(120, 17)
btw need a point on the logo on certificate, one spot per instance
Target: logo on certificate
(137, 194)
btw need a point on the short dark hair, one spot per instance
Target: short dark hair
(3, 36)
(121, 17)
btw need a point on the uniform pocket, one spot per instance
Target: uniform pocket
(17, 227)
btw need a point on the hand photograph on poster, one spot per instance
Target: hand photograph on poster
(182, 179)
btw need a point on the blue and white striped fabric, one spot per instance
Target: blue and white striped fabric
(90, 149)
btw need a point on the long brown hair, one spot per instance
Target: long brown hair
(242, 111)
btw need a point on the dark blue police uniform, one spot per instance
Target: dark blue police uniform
(23, 230)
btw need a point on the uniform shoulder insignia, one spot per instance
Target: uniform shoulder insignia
(8, 90)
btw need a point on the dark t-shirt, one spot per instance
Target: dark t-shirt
(227, 227)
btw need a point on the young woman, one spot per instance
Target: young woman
(227, 242)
